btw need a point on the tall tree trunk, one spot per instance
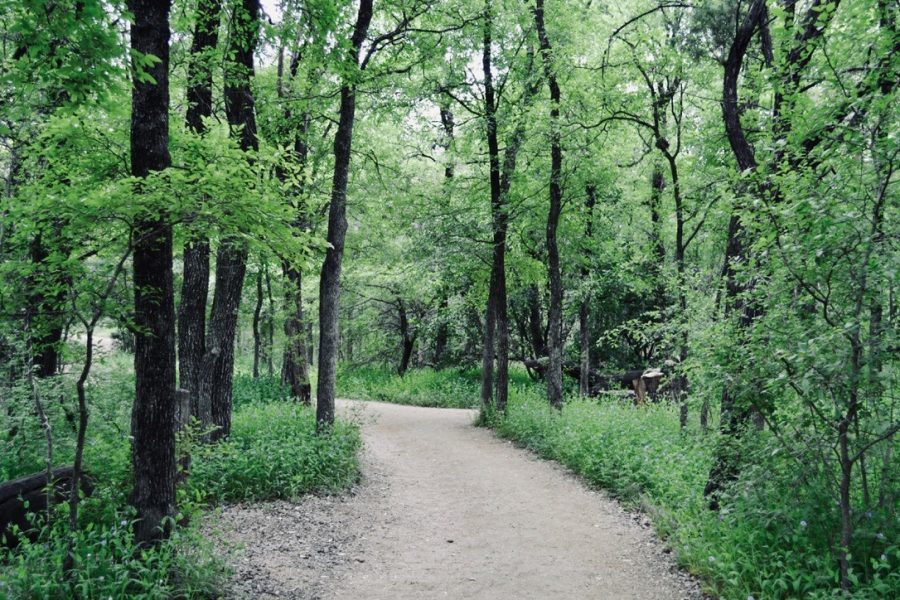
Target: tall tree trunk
(47, 295)
(195, 282)
(442, 334)
(153, 416)
(584, 312)
(294, 365)
(734, 413)
(554, 317)
(497, 216)
(657, 186)
(231, 257)
(330, 278)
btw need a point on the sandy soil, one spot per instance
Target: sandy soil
(447, 510)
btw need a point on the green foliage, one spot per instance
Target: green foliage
(108, 564)
(274, 452)
(442, 388)
(773, 541)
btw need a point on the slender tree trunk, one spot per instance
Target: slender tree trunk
(584, 312)
(195, 282)
(554, 318)
(257, 318)
(269, 325)
(294, 366)
(497, 217)
(153, 417)
(231, 257)
(734, 414)
(657, 186)
(294, 372)
(330, 278)
(407, 338)
(442, 334)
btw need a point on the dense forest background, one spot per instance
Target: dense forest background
(656, 241)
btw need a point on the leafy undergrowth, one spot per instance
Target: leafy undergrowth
(442, 388)
(273, 452)
(772, 539)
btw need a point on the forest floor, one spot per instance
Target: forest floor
(447, 510)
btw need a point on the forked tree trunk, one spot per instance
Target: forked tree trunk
(195, 282)
(153, 417)
(231, 257)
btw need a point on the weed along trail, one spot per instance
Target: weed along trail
(447, 510)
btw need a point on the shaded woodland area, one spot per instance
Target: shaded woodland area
(682, 208)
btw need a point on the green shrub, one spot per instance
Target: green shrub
(274, 452)
(774, 539)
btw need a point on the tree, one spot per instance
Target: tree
(153, 417)
(231, 257)
(554, 326)
(330, 278)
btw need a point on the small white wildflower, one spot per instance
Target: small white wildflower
(802, 523)
(750, 598)
(712, 559)
(880, 535)
(883, 557)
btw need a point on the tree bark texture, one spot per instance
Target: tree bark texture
(153, 416)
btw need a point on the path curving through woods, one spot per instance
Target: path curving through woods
(447, 510)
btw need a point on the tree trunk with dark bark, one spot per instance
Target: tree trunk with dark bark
(294, 372)
(330, 279)
(257, 319)
(407, 338)
(195, 282)
(584, 312)
(554, 316)
(153, 416)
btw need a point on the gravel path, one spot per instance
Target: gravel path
(447, 510)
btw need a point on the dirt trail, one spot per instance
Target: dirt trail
(447, 510)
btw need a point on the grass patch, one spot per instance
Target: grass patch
(441, 388)
(773, 540)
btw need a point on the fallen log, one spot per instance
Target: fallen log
(20, 497)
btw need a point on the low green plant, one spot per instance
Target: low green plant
(774, 539)
(274, 452)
